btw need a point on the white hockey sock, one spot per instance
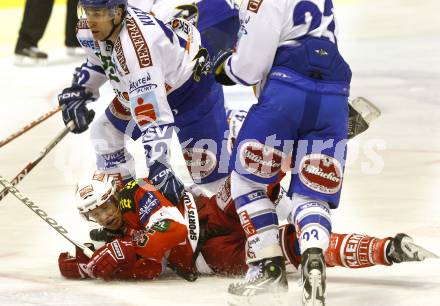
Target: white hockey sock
(312, 222)
(257, 216)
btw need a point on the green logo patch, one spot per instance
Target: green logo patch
(162, 226)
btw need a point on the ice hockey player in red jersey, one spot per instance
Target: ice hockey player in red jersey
(145, 233)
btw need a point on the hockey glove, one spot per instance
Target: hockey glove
(218, 68)
(105, 235)
(118, 254)
(166, 182)
(73, 102)
(74, 267)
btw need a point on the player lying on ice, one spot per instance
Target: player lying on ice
(145, 233)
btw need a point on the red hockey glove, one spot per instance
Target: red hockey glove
(73, 267)
(112, 256)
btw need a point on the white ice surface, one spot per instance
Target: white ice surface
(393, 48)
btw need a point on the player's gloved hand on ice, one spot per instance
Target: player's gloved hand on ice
(166, 182)
(118, 254)
(218, 68)
(73, 102)
(74, 266)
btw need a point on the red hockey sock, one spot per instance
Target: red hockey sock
(356, 251)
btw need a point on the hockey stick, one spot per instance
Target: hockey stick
(43, 215)
(29, 126)
(17, 179)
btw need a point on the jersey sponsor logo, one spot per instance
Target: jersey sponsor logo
(127, 196)
(144, 108)
(141, 85)
(247, 224)
(141, 237)
(114, 159)
(131, 184)
(120, 56)
(147, 205)
(89, 43)
(200, 162)
(254, 5)
(144, 18)
(321, 173)
(139, 43)
(162, 226)
(125, 204)
(182, 25)
(109, 67)
(156, 133)
(260, 160)
(192, 218)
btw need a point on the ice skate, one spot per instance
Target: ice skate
(265, 284)
(30, 56)
(361, 113)
(403, 249)
(313, 277)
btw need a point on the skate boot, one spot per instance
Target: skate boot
(313, 277)
(403, 249)
(265, 284)
(361, 113)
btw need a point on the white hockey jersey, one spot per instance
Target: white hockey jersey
(267, 25)
(147, 62)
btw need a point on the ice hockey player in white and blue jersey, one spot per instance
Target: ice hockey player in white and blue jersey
(288, 49)
(158, 73)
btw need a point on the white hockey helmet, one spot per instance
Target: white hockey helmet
(92, 193)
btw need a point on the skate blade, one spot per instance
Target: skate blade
(422, 253)
(26, 61)
(315, 281)
(262, 299)
(366, 108)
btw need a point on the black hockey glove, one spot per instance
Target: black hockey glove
(218, 68)
(73, 105)
(166, 182)
(105, 235)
